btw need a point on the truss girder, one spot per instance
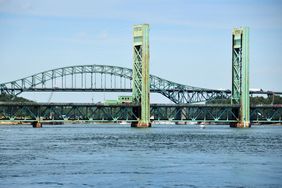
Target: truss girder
(106, 78)
(113, 113)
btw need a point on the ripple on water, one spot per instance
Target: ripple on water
(113, 156)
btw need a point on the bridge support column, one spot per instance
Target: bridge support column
(141, 76)
(36, 124)
(240, 75)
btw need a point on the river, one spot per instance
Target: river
(119, 156)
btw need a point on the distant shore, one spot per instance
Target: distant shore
(13, 123)
(155, 123)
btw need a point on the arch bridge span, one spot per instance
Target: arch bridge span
(105, 78)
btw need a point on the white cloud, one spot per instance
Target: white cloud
(197, 14)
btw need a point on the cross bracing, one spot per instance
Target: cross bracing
(105, 78)
(88, 112)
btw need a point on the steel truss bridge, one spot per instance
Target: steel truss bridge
(103, 78)
(88, 112)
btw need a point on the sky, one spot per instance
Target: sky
(190, 40)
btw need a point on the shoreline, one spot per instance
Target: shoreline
(156, 123)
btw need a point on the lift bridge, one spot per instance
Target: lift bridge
(186, 99)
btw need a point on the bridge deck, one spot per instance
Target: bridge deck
(99, 112)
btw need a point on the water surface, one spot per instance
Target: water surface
(120, 156)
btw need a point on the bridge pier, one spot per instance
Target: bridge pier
(141, 76)
(140, 124)
(240, 75)
(240, 125)
(36, 124)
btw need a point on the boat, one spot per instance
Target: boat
(203, 126)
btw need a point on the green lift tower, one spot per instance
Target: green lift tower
(141, 76)
(240, 75)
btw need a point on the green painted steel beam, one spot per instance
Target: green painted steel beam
(240, 74)
(140, 75)
(69, 77)
(88, 112)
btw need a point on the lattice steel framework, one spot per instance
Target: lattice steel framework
(240, 74)
(104, 78)
(141, 76)
(71, 112)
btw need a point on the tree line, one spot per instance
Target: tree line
(254, 100)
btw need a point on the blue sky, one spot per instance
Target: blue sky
(190, 40)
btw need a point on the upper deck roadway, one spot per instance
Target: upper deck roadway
(104, 78)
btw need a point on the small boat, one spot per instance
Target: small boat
(203, 126)
(123, 123)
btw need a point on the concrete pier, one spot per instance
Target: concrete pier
(36, 124)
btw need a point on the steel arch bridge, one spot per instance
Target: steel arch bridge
(105, 78)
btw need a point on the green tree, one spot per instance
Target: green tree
(12, 98)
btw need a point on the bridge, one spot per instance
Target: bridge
(93, 112)
(103, 78)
